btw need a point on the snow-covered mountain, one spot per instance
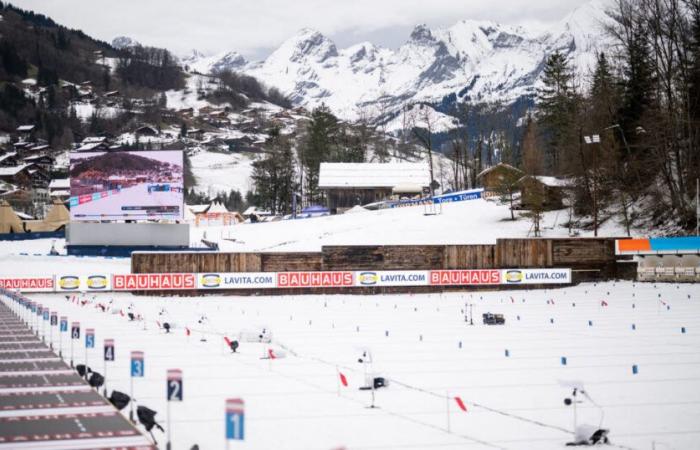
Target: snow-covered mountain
(478, 61)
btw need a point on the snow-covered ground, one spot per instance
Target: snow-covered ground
(221, 172)
(513, 402)
(470, 222)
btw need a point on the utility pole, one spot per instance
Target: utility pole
(594, 139)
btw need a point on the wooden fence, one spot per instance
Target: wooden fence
(594, 255)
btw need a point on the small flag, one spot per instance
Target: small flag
(121, 312)
(228, 341)
(187, 330)
(343, 379)
(604, 303)
(158, 323)
(461, 404)
(271, 354)
(512, 300)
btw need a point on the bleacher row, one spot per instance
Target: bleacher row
(44, 403)
(672, 274)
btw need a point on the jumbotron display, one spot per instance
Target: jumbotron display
(125, 185)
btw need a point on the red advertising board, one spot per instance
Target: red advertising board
(315, 279)
(464, 277)
(28, 284)
(154, 281)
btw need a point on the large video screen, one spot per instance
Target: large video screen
(125, 185)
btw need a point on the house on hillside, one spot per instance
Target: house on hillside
(93, 144)
(18, 175)
(44, 162)
(350, 184)
(59, 188)
(492, 178)
(146, 131)
(9, 159)
(26, 132)
(550, 191)
(196, 133)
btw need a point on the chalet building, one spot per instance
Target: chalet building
(196, 134)
(492, 178)
(44, 162)
(26, 132)
(93, 144)
(18, 175)
(9, 159)
(350, 184)
(146, 131)
(59, 188)
(550, 191)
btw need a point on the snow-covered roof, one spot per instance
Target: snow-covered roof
(372, 175)
(499, 165)
(7, 155)
(60, 183)
(198, 209)
(217, 207)
(93, 139)
(88, 147)
(25, 128)
(10, 171)
(60, 193)
(552, 181)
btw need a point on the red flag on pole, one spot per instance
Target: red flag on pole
(604, 303)
(461, 404)
(228, 341)
(121, 312)
(271, 353)
(187, 331)
(343, 379)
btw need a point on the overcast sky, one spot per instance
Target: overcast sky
(255, 27)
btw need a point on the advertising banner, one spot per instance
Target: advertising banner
(315, 279)
(464, 277)
(272, 280)
(138, 185)
(392, 278)
(93, 282)
(154, 281)
(536, 276)
(28, 284)
(237, 280)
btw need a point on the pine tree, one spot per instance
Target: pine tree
(638, 91)
(556, 102)
(320, 144)
(273, 176)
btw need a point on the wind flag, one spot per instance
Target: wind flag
(271, 354)
(187, 330)
(343, 379)
(228, 341)
(461, 404)
(604, 303)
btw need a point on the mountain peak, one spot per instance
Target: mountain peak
(421, 34)
(307, 43)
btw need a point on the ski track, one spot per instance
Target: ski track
(513, 402)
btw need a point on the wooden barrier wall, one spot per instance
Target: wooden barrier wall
(597, 254)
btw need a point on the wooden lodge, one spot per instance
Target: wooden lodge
(350, 184)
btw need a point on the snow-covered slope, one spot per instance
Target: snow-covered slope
(471, 60)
